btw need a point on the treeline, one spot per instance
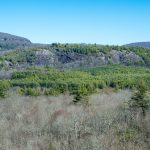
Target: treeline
(80, 83)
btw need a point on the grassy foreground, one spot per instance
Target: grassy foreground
(55, 123)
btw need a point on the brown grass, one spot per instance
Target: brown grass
(55, 123)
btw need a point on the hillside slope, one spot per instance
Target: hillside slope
(25, 53)
(70, 56)
(9, 42)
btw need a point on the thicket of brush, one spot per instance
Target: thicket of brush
(55, 123)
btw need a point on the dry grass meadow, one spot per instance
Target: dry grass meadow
(55, 123)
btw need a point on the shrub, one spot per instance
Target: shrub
(140, 99)
(53, 92)
(4, 86)
(32, 92)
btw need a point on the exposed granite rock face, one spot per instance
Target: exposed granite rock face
(45, 58)
(115, 56)
(131, 58)
(124, 57)
(75, 60)
(68, 57)
(68, 60)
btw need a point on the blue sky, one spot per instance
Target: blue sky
(77, 21)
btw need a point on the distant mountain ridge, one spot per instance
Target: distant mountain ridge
(8, 42)
(139, 44)
(11, 42)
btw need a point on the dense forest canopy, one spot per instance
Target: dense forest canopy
(80, 83)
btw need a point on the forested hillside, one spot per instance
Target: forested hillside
(70, 56)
